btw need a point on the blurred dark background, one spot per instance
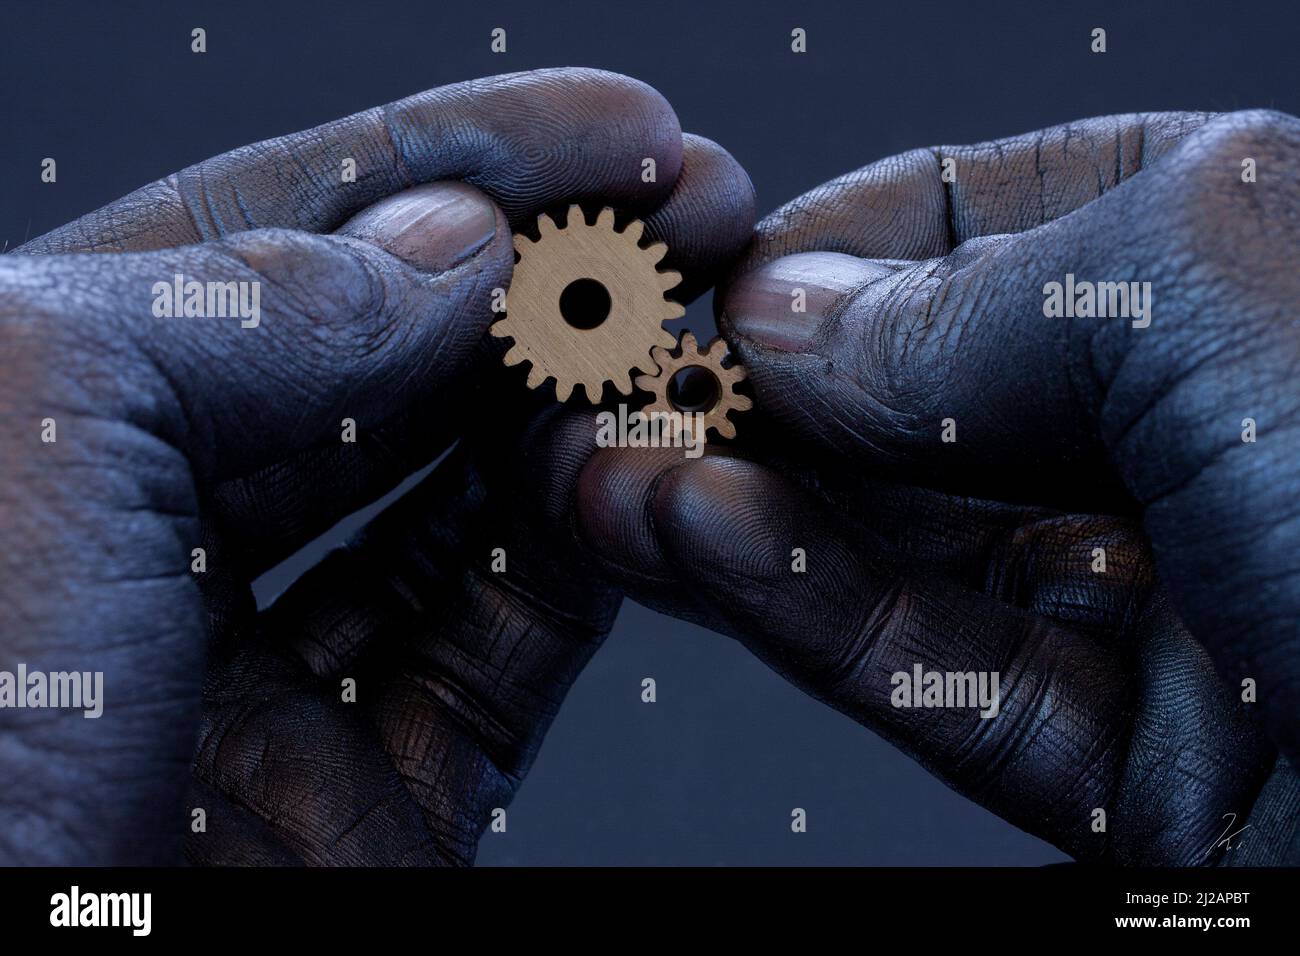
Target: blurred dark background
(709, 773)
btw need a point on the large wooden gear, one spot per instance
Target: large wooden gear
(554, 304)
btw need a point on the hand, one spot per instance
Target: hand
(925, 319)
(178, 433)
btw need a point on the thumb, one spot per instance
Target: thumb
(263, 343)
(935, 371)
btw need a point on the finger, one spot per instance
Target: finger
(705, 221)
(461, 662)
(299, 780)
(1093, 573)
(926, 202)
(327, 328)
(527, 140)
(714, 538)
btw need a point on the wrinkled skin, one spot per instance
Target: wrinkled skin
(1120, 691)
(180, 433)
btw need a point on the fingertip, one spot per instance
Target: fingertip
(612, 518)
(784, 304)
(654, 513)
(434, 227)
(557, 444)
(707, 162)
(708, 218)
(723, 519)
(574, 134)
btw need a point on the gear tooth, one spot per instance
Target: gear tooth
(535, 376)
(500, 329)
(669, 279)
(546, 225)
(657, 251)
(606, 219)
(646, 382)
(649, 364)
(726, 428)
(575, 217)
(673, 310)
(623, 384)
(521, 243)
(563, 389)
(689, 343)
(595, 387)
(514, 356)
(741, 403)
(633, 230)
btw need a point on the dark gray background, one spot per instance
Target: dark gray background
(710, 773)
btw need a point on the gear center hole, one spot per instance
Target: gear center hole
(694, 389)
(584, 303)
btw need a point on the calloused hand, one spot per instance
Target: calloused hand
(953, 463)
(171, 434)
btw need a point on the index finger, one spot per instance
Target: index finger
(924, 203)
(528, 140)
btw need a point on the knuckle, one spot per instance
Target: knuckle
(1224, 203)
(324, 280)
(45, 352)
(1212, 157)
(905, 324)
(1252, 128)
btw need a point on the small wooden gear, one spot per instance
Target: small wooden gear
(714, 394)
(587, 304)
